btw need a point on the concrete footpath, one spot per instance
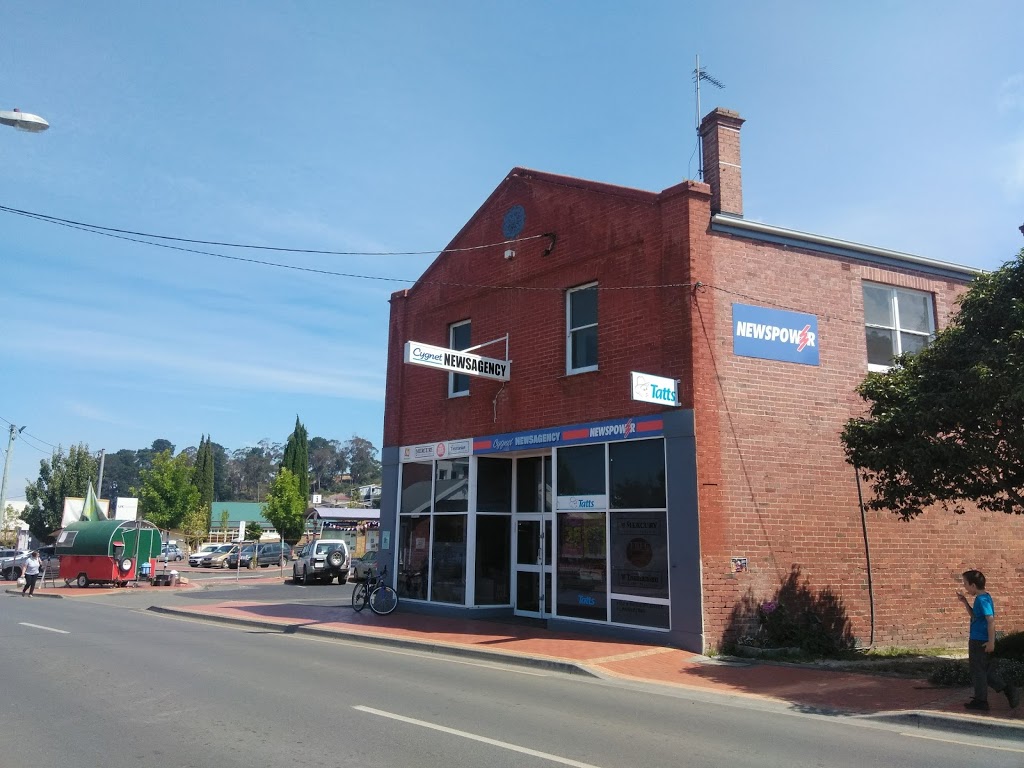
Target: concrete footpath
(805, 687)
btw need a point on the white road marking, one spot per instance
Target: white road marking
(40, 626)
(961, 743)
(474, 737)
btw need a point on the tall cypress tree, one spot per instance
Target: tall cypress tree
(202, 478)
(296, 458)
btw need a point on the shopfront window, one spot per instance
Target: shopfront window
(493, 485)
(581, 470)
(533, 484)
(451, 486)
(582, 565)
(416, 487)
(636, 471)
(493, 559)
(413, 556)
(639, 554)
(448, 561)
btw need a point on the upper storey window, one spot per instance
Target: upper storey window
(458, 338)
(896, 320)
(581, 329)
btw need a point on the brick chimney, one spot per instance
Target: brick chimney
(720, 136)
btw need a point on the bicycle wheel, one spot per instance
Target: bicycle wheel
(360, 596)
(383, 600)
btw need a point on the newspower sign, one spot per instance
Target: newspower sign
(458, 362)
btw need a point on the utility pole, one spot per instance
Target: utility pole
(99, 482)
(7, 464)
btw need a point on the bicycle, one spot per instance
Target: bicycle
(375, 593)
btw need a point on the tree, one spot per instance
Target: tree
(221, 489)
(59, 477)
(120, 473)
(202, 478)
(362, 460)
(225, 518)
(10, 526)
(195, 526)
(285, 507)
(167, 493)
(252, 470)
(253, 531)
(946, 425)
(296, 457)
(145, 456)
(327, 460)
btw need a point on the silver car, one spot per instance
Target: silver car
(196, 558)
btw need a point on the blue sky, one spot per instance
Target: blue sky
(382, 127)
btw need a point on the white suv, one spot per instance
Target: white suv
(322, 560)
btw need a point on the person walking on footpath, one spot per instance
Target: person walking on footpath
(31, 574)
(981, 644)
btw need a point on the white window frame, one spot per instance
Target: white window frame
(570, 330)
(894, 302)
(451, 376)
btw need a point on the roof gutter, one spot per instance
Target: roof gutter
(734, 225)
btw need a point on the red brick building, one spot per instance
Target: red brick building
(545, 488)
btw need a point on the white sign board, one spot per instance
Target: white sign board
(126, 508)
(582, 503)
(458, 362)
(443, 449)
(74, 505)
(654, 389)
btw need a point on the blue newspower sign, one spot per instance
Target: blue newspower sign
(774, 334)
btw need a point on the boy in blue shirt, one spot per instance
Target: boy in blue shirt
(982, 643)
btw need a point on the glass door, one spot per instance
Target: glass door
(533, 539)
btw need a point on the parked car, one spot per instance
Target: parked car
(171, 552)
(196, 558)
(364, 567)
(12, 562)
(322, 560)
(270, 553)
(219, 557)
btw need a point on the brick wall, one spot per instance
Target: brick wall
(609, 234)
(784, 496)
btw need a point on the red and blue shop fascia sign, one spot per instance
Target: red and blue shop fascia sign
(575, 434)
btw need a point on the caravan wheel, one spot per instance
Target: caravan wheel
(83, 580)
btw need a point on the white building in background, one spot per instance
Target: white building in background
(13, 528)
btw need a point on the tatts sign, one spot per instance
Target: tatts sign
(456, 362)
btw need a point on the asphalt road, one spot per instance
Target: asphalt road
(91, 682)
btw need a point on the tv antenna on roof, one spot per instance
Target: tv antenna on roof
(699, 73)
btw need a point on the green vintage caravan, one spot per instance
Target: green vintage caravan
(106, 551)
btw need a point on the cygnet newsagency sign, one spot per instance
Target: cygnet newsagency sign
(458, 362)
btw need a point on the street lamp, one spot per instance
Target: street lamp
(23, 121)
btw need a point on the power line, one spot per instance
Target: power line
(333, 273)
(123, 234)
(24, 439)
(40, 440)
(99, 229)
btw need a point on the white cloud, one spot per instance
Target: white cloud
(92, 413)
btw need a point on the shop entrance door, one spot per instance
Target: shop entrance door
(533, 539)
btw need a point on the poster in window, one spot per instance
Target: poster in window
(639, 554)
